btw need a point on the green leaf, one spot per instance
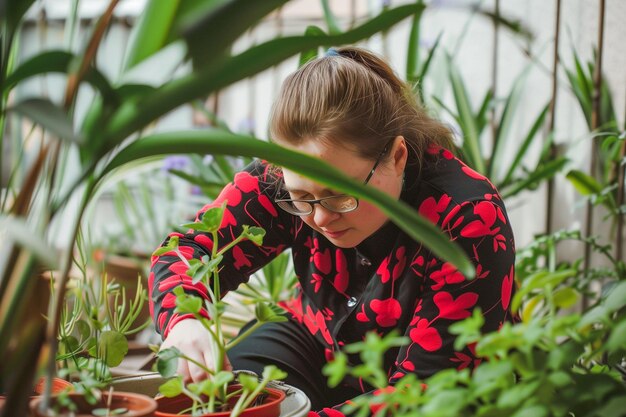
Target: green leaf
(271, 372)
(336, 369)
(222, 378)
(254, 234)
(532, 411)
(565, 297)
(210, 33)
(248, 382)
(266, 313)
(59, 62)
(541, 173)
(133, 115)
(13, 11)
(616, 298)
(49, 116)
(310, 54)
(167, 361)
(19, 231)
(471, 134)
(197, 226)
(150, 33)
(113, 347)
(330, 19)
(503, 134)
(617, 338)
(172, 388)
(584, 183)
(523, 149)
(219, 142)
(613, 407)
(212, 218)
(188, 304)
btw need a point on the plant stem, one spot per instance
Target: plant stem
(242, 336)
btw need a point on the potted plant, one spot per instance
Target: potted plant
(223, 391)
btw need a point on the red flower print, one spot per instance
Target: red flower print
(483, 227)
(448, 274)
(451, 214)
(330, 412)
(499, 242)
(480, 273)
(507, 287)
(383, 270)
(169, 301)
(329, 355)
(179, 268)
(463, 359)
(240, 257)
(294, 306)
(408, 365)
(342, 276)
(362, 316)
(317, 280)
(432, 209)
(267, 205)
(452, 309)
(322, 261)
(228, 219)
(246, 182)
(231, 194)
(387, 311)
(204, 241)
(471, 173)
(399, 268)
(427, 337)
(317, 323)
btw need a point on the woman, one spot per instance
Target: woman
(357, 271)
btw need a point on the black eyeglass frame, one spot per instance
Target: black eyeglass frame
(321, 201)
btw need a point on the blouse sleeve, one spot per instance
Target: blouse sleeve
(249, 201)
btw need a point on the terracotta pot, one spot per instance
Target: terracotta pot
(58, 385)
(137, 405)
(170, 407)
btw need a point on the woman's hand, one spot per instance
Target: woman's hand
(195, 342)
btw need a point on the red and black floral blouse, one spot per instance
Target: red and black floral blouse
(387, 282)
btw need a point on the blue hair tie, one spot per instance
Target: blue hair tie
(332, 52)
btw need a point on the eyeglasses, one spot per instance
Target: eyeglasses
(342, 203)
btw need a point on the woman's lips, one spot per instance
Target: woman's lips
(335, 235)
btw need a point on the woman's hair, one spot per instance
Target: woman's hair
(352, 98)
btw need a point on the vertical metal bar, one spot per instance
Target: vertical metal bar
(494, 70)
(552, 122)
(595, 114)
(621, 173)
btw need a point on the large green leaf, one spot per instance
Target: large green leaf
(584, 183)
(471, 139)
(13, 11)
(49, 116)
(210, 35)
(220, 142)
(542, 173)
(521, 152)
(134, 115)
(503, 137)
(150, 33)
(331, 20)
(58, 62)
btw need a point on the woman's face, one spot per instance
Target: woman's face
(346, 230)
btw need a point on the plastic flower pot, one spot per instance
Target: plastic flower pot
(123, 404)
(171, 407)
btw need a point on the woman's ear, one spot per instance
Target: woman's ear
(400, 154)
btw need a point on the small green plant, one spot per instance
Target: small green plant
(553, 363)
(217, 392)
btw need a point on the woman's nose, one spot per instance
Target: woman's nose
(322, 216)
